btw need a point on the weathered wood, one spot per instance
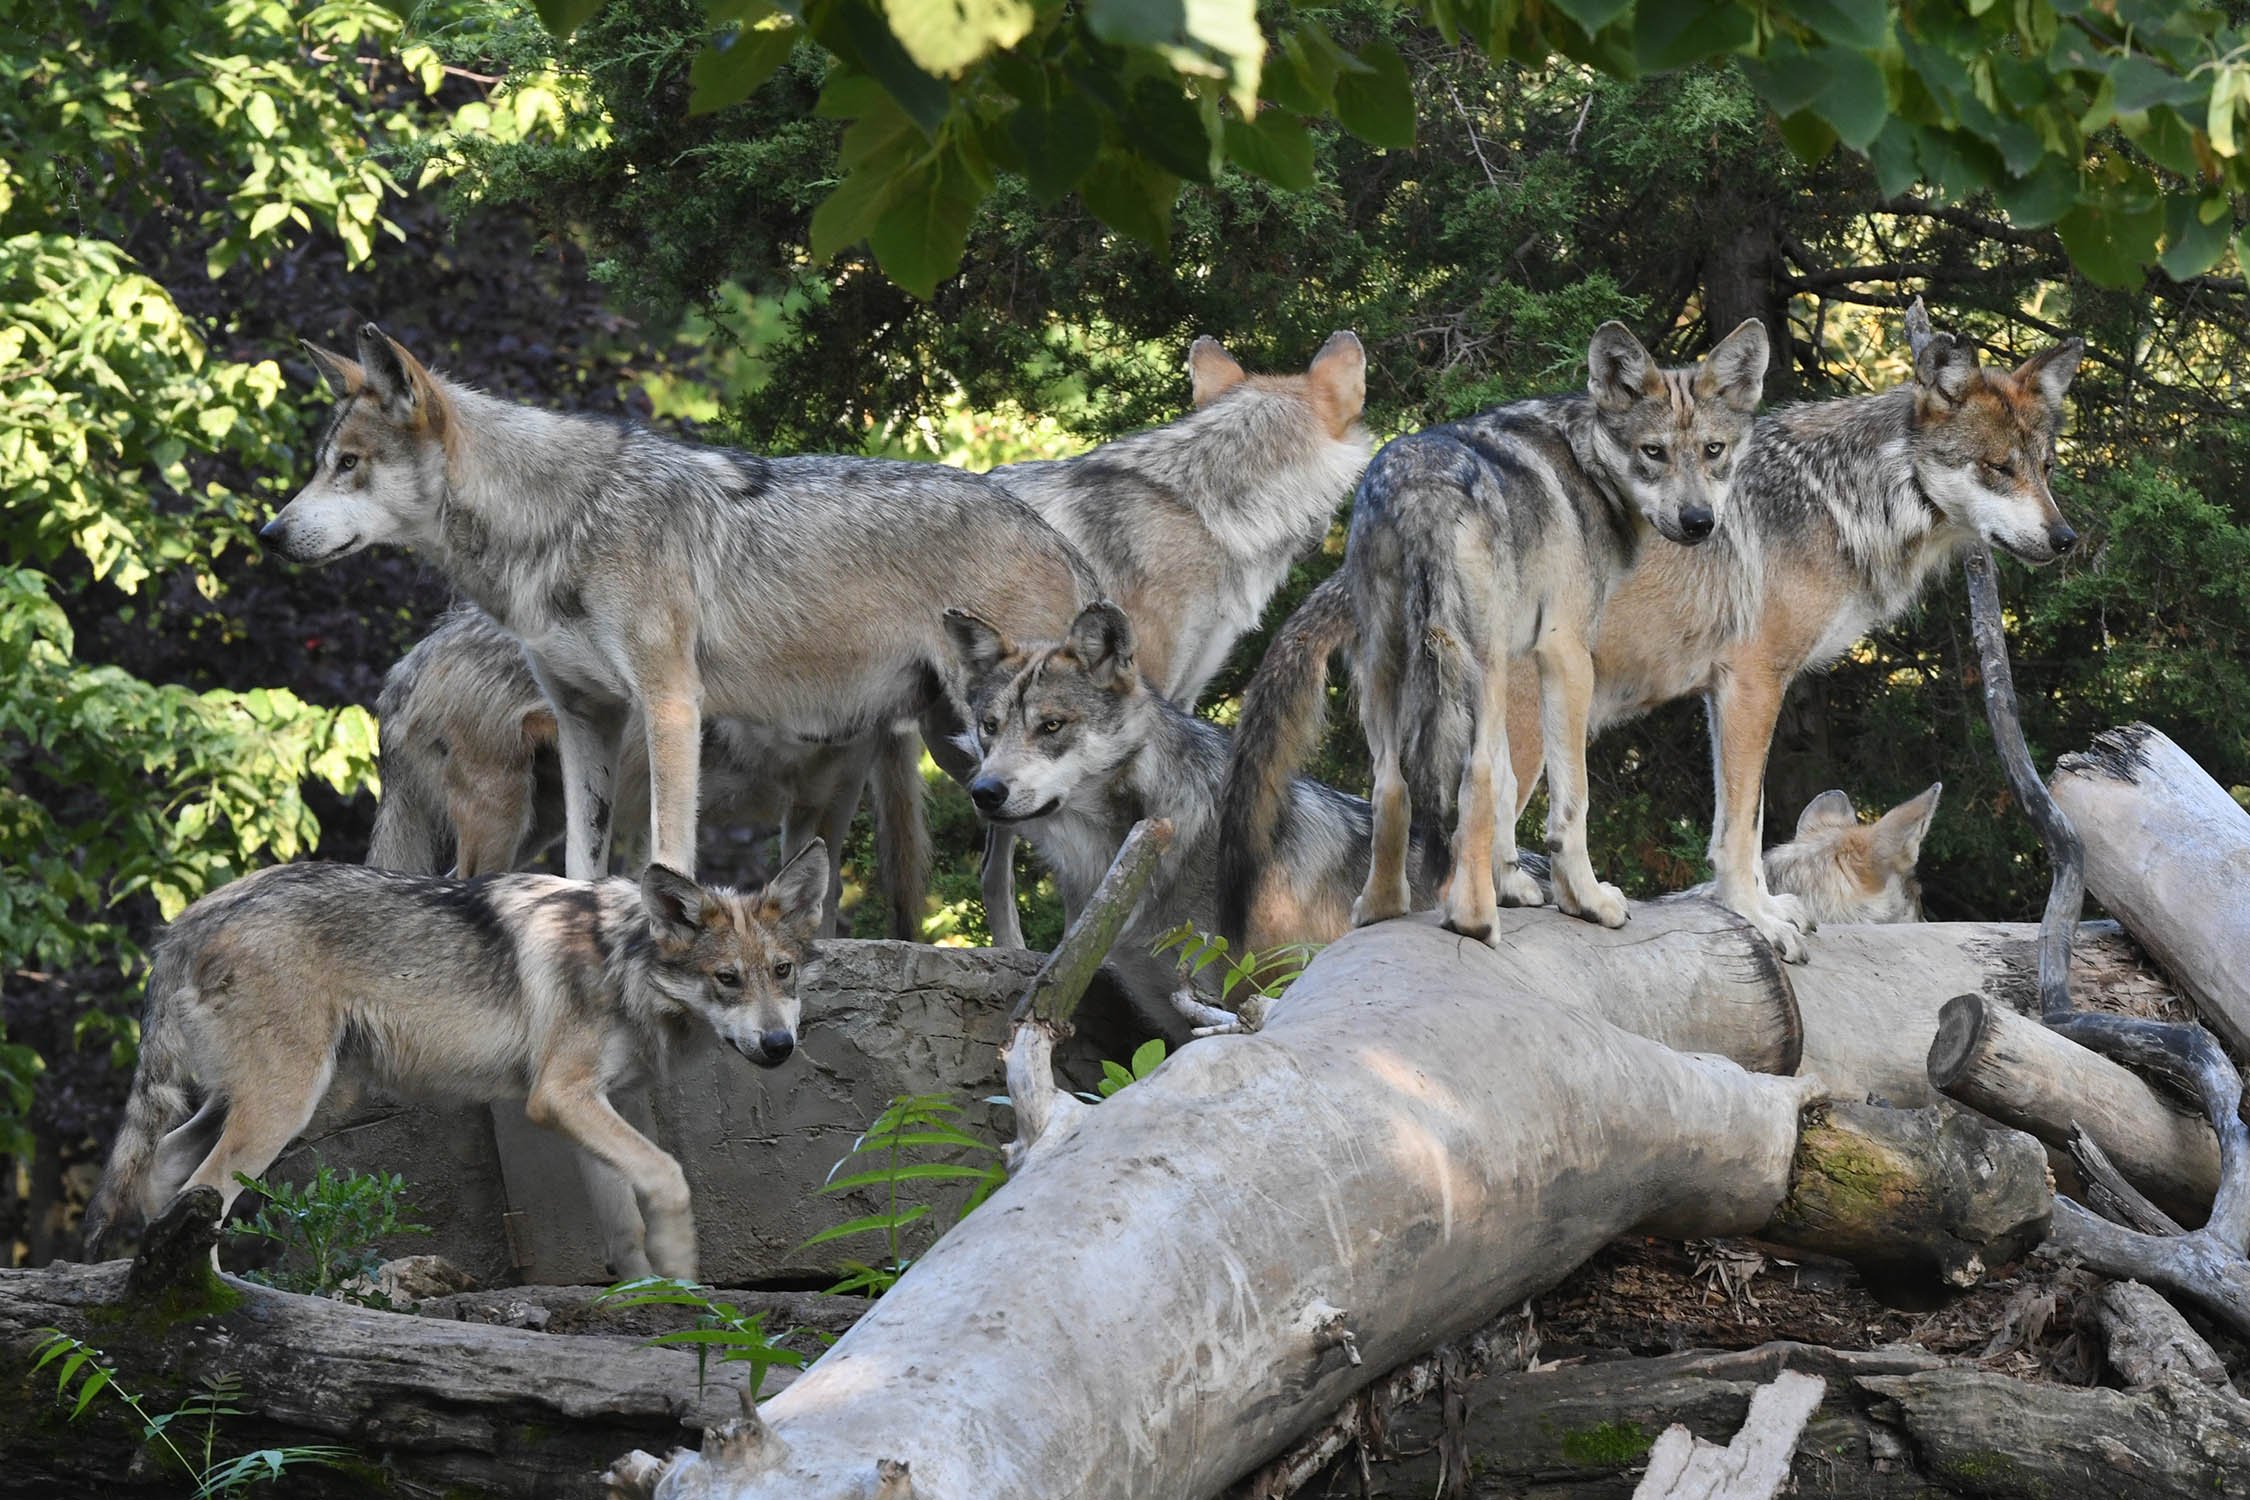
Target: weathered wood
(1425, 1132)
(2148, 1342)
(1754, 1466)
(1987, 1435)
(2168, 851)
(2066, 859)
(1053, 996)
(2022, 1074)
(1933, 1191)
(443, 1404)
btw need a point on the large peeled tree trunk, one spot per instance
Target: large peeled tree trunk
(1179, 1281)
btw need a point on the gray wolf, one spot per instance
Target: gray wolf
(1844, 870)
(1843, 512)
(472, 784)
(1074, 747)
(1191, 526)
(301, 978)
(1480, 541)
(679, 580)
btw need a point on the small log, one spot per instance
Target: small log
(1929, 1191)
(1754, 1466)
(2168, 851)
(2020, 1073)
(2110, 1195)
(2147, 1340)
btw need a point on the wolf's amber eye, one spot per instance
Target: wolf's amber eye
(2004, 470)
(729, 978)
(1653, 451)
(990, 727)
(346, 462)
(1713, 450)
(784, 969)
(1050, 726)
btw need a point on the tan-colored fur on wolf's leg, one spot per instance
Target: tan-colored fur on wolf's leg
(1566, 689)
(1385, 895)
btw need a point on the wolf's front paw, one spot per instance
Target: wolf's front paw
(1605, 903)
(1781, 920)
(1377, 906)
(1480, 923)
(1514, 886)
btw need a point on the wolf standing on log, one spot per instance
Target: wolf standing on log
(267, 992)
(641, 572)
(1471, 544)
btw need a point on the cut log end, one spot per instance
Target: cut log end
(1959, 1041)
(1922, 1192)
(174, 1266)
(2119, 755)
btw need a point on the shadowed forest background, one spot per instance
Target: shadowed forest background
(187, 190)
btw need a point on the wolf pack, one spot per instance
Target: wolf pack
(654, 634)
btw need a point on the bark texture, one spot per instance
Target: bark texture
(2168, 851)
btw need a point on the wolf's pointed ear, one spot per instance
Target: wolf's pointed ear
(1339, 378)
(1212, 372)
(1899, 832)
(1918, 329)
(1618, 370)
(1946, 364)
(798, 893)
(1102, 640)
(674, 904)
(977, 645)
(1735, 371)
(2050, 371)
(400, 381)
(344, 376)
(1831, 809)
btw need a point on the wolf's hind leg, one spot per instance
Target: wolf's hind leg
(1385, 894)
(997, 878)
(180, 1152)
(1743, 705)
(1566, 690)
(267, 1107)
(1470, 906)
(586, 738)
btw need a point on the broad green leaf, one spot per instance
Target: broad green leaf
(1166, 127)
(2110, 247)
(1675, 33)
(2141, 84)
(726, 75)
(1850, 23)
(923, 225)
(1059, 143)
(1853, 100)
(2039, 198)
(849, 212)
(1208, 38)
(1132, 196)
(565, 16)
(946, 36)
(2192, 244)
(1276, 146)
(856, 32)
(1146, 1056)
(1788, 77)
(1808, 136)
(1593, 15)
(1299, 77)
(260, 112)
(1378, 105)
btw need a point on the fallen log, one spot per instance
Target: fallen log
(1426, 1131)
(2020, 1073)
(1754, 1466)
(2146, 1340)
(436, 1404)
(2168, 851)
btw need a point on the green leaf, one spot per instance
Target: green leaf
(1853, 100)
(1675, 33)
(1852, 23)
(2108, 246)
(1165, 126)
(867, 1223)
(923, 225)
(1146, 1056)
(1378, 105)
(2141, 84)
(857, 33)
(1299, 77)
(1059, 143)
(921, 1171)
(729, 74)
(1592, 15)
(260, 112)
(1212, 38)
(947, 36)
(565, 16)
(1276, 146)
(1132, 196)
(2039, 198)
(1808, 136)
(2192, 245)
(1788, 77)
(846, 215)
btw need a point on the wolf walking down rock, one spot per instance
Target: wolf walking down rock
(1472, 544)
(645, 573)
(301, 979)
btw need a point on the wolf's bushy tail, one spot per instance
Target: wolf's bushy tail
(159, 1099)
(902, 831)
(1279, 725)
(1438, 683)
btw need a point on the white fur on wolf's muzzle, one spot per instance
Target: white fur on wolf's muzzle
(2016, 524)
(316, 528)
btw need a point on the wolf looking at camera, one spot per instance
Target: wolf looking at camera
(268, 993)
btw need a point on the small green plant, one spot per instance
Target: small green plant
(911, 1123)
(737, 1337)
(1260, 977)
(213, 1475)
(328, 1229)
(1116, 1075)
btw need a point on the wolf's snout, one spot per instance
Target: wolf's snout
(774, 1048)
(2061, 537)
(273, 530)
(1697, 522)
(989, 793)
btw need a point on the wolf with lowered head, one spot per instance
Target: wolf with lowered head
(679, 580)
(298, 980)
